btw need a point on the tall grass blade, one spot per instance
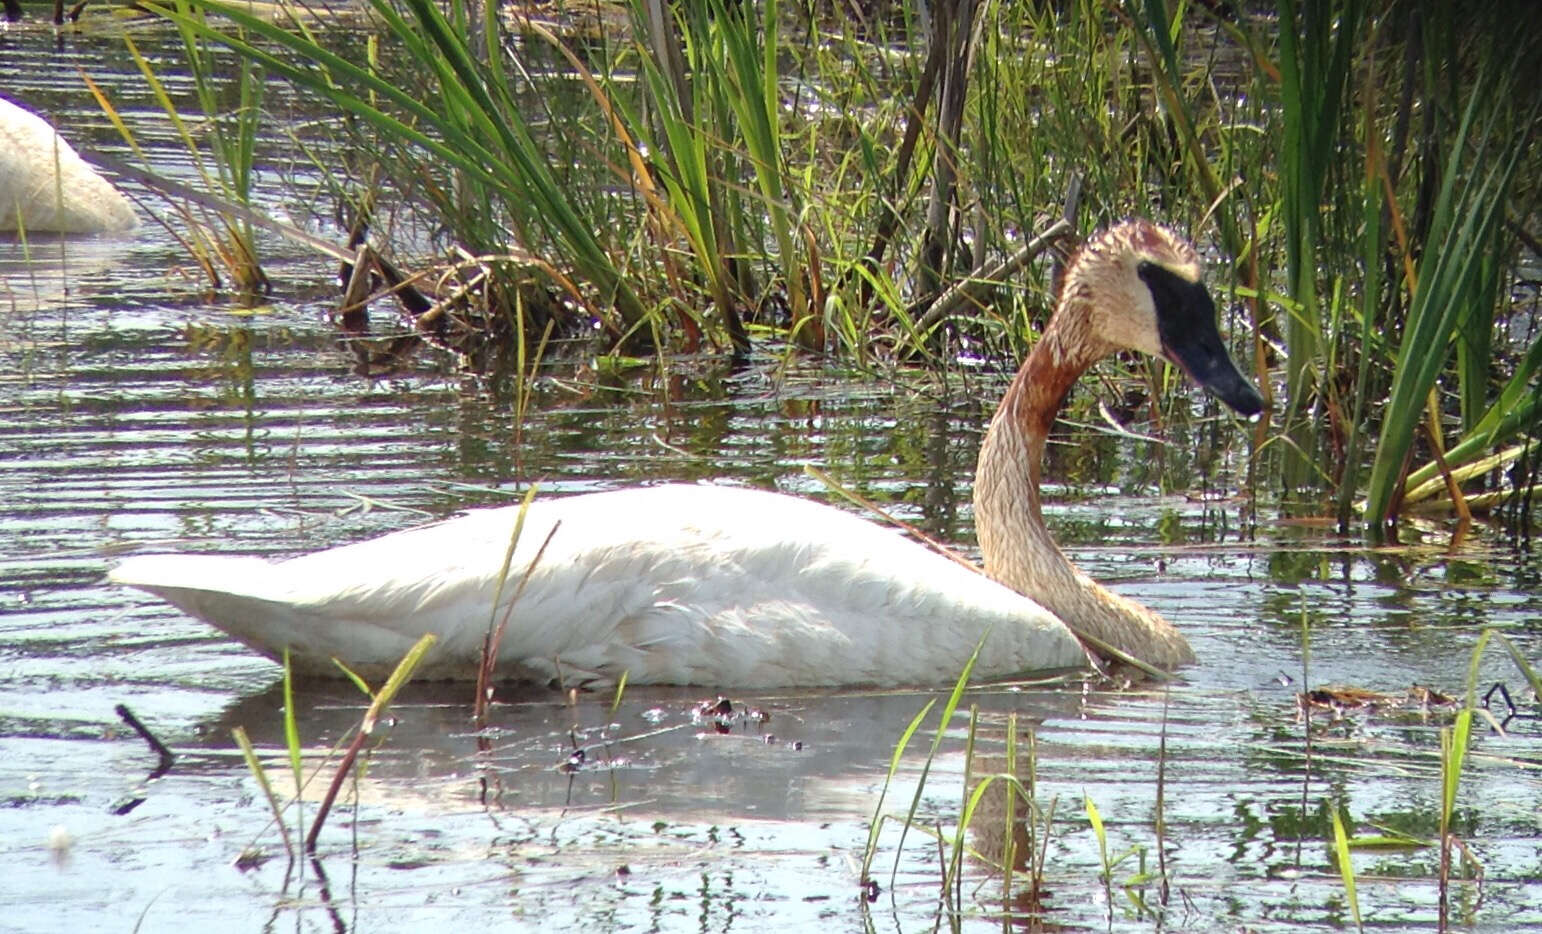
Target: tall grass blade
(1468, 214)
(615, 701)
(946, 717)
(495, 625)
(292, 739)
(353, 677)
(894, 760)
(1346, 867)
(1373, 245)
(1009, 819)
(1453, 752)
(399, 677)
(1317, 40)
(1160, 36)
(748, 77)
(1095, 818)
(254, 765)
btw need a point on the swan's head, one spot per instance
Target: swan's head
(1140, 287)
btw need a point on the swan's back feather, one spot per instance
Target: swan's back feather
(673, 584)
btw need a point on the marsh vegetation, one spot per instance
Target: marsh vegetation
(874, 186)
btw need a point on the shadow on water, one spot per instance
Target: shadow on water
(671, 752)
(133, 414)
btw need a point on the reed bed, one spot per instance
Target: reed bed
(725, 176)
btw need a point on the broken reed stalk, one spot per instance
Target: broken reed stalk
(858, 499)
(954, 28)
(388, 691)
(889, 219)
(972, 287)
(495, 632)
(167, 758)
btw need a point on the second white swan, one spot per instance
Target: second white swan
(46, 187)
(739, 588)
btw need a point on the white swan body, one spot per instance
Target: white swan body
(45, 187)
(671, 584)
(740, 588)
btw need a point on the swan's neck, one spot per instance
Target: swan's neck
(1017, 548)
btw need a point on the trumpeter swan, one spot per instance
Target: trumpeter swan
(740, 588)
(45, 187)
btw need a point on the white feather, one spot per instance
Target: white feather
(46, 187)
(672, 584)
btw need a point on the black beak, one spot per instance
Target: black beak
(1186, 325)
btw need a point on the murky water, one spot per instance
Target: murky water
(135, 414)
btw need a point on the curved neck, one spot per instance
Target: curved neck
(1017, 548)
(1027, 411)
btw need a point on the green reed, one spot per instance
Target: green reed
(950, 705)
(464, 113)
(688, 91)
(1453, 289)
(380, 702)
(1346, 867)
(745, 76)
(225, 240)
(726, 171)
(1317, 40)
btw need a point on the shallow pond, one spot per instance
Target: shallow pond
(133, 414)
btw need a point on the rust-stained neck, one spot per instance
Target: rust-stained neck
(1018, 550)
(1034, 398)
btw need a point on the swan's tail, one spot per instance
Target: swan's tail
(175, 577)
(276, 607)
(245, 597)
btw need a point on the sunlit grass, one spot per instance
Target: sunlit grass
(224, 244)
(380, 702)
(718, 175)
